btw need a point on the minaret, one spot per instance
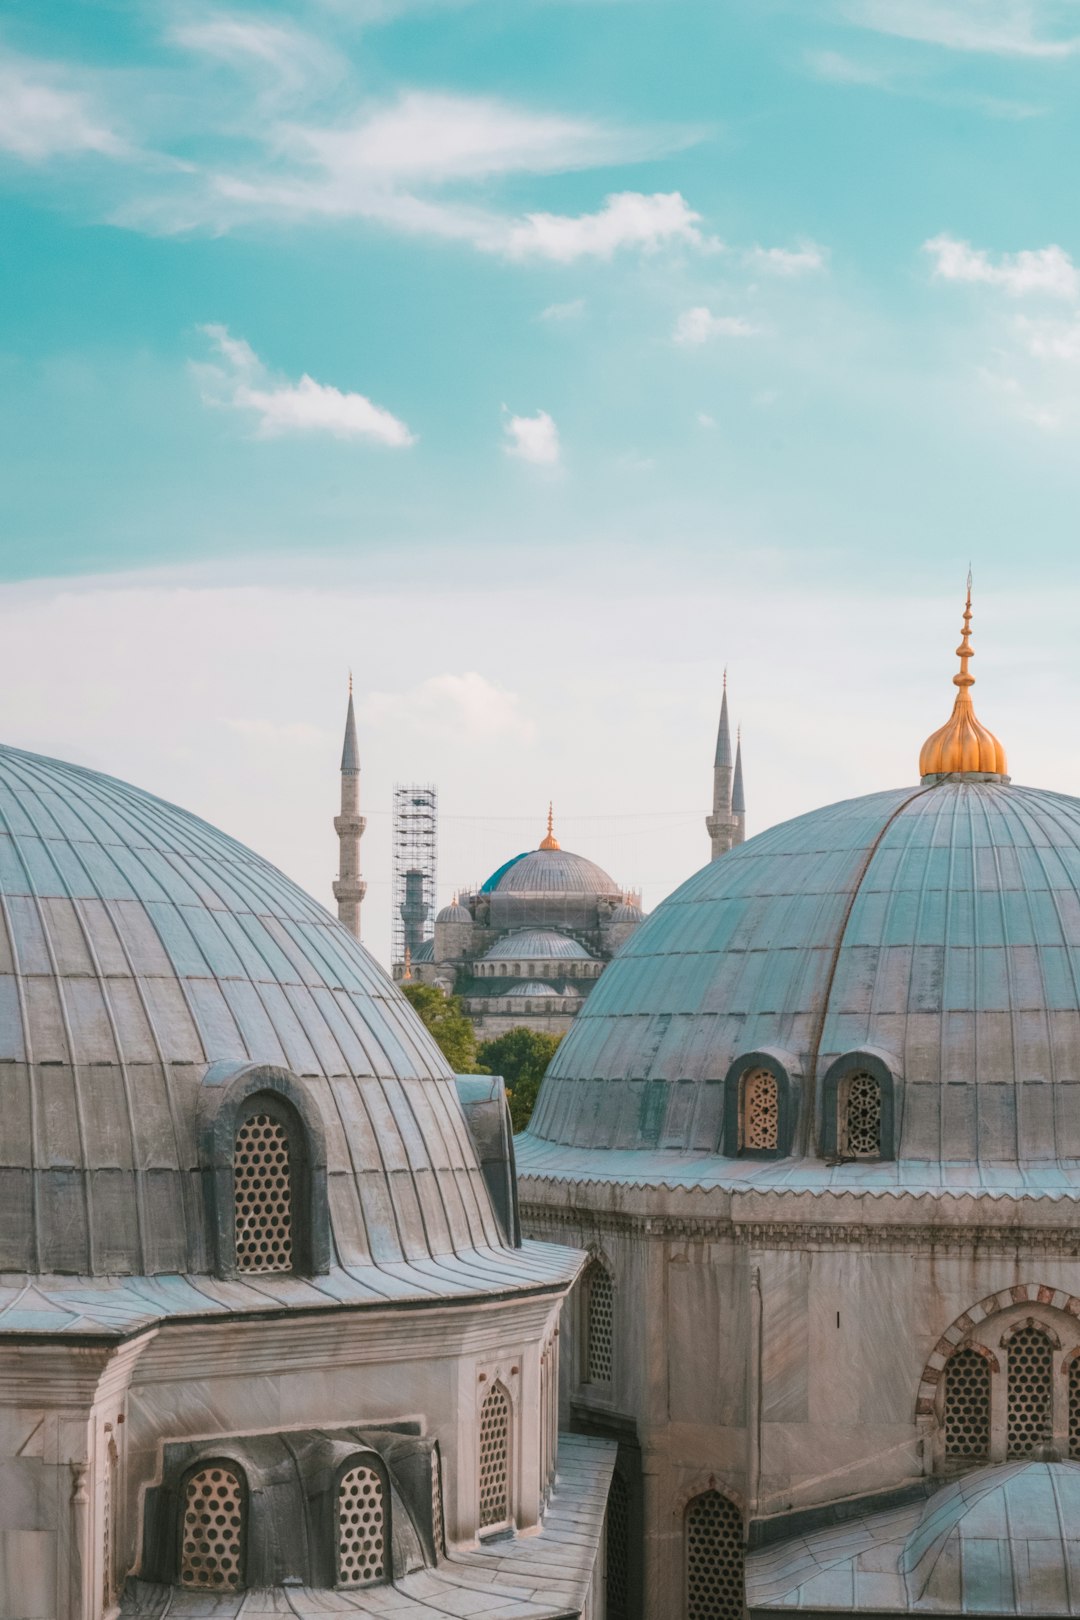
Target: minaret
(350, 888)
(738, 797)
(721, 825)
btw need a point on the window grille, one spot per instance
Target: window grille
(495, 1458)
(361, 1527)
(213, 1530)
(263, 1193)
(437, 1530)
(967, 1405)
(108, 1533)
(761, 1110)
(1031, 1393)
(714, 1559)
(1074, 1407)
(617, 1544)
(861, 1134)
(600, 1310)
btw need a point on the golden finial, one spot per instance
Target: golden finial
(963, 746)
(406, 977)
(550, 842)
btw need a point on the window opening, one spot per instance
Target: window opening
(108, 1530)
(361, 1527)
(437, 1529)
(761, 1109)
(213, 1530)
(1031, 1372)
(495, 1458)
(714, 1559)
(617, 1545)
(861, 1134)
(600, 1311)
(1074, 1407)
(263, 1193)
(967, 1405)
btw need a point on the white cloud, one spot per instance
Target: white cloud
(468, 703)
(1047, 270)
(43, 117)
(291, 60)
(705, 420)
(570, 311)
(700, 325)
(840, 69)
(1052, 340)
(242, 383)
(993, 27)
(627, 219)
(532, 438)
(807, 257)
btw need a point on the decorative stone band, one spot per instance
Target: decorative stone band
(954, 1335)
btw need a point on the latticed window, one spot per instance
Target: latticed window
(760, 1109)
(108, 1523)
(1074, 1407)
(860, 1133)
(1031, 1390)
(495, 1458)
(617, 1543)
(600, 1312)
(967, 1405)
(262, 1180)
(361, 1527)
(437, 1529)
(714, 1558)
(213, 1531)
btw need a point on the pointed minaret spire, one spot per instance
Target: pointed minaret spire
(349, 887)
(721, 825)
(738, 797)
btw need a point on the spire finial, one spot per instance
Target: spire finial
(407, 974)
(963, 746)
(550, 842)
(350, 683)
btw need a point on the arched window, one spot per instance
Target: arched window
(759, 1115)
(495, 1458)
(212, 1533)
(715, 1581)
(599, 1310)
(967, 1405)
(108, 1523)
(617, 1548)
(361, 1537)
(263, 1190)
(1074, 1405)
(1031, 1389)
(859, 1125)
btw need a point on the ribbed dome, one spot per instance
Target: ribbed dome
(535, 988)
(455, 913)
(138, 945)
(537, 944)
(554, 871)
(627, 912)
(939, 926)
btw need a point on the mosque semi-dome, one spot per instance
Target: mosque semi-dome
(539, 944)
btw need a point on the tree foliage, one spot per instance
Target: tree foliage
(521, 1056)
(449, 1028)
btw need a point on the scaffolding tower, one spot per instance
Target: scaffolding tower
(415, 851)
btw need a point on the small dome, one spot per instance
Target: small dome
(537, 945)
(533, 989)
(554, 871)
(454, 913)
(425, 951)
(627, 913)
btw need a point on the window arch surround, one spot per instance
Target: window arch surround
(761, 1105)
(232, 1095)
(844, 1086)
(212, 1527)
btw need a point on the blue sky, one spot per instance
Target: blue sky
(568, 347)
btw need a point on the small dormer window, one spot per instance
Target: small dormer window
(263, 1182)
(860, 1117)
(760, 1110)
(212, 1538)
(361, 1527)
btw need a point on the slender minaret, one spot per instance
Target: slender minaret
(738, 797)
(721, 825)
(350, 888)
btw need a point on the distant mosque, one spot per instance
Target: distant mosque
(527, 947)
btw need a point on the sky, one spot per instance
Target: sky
(535, 360)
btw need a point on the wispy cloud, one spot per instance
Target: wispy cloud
(1048, 271)
(807, 257)
(572, 310)
(238, 380)
(532, 438)
(44, 115)
(627, 219)
(992, 27)
(700, 325)
(290, 63)
(468, 702)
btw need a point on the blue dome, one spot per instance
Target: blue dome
(537, 944)
(938, 927)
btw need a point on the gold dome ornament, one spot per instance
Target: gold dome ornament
(963, 746)
(550, 842)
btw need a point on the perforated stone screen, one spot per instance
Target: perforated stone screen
(618, 1548)
(761, 1110)
(1031, 1392)
(212, 1542)
(967, 1405)
(437, 1529)
(862, 1117)
(714, 1559)
(262, 1183)
(600, 1305)
(495, 1458)
(361, 1528)
(1074, 1407)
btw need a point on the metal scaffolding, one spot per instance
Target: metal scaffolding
(415, 849)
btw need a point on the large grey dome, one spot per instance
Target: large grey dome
(554, 871)
(138, 947)
(935, 928)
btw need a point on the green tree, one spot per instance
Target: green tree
(449, 1028)
(521, 1056)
